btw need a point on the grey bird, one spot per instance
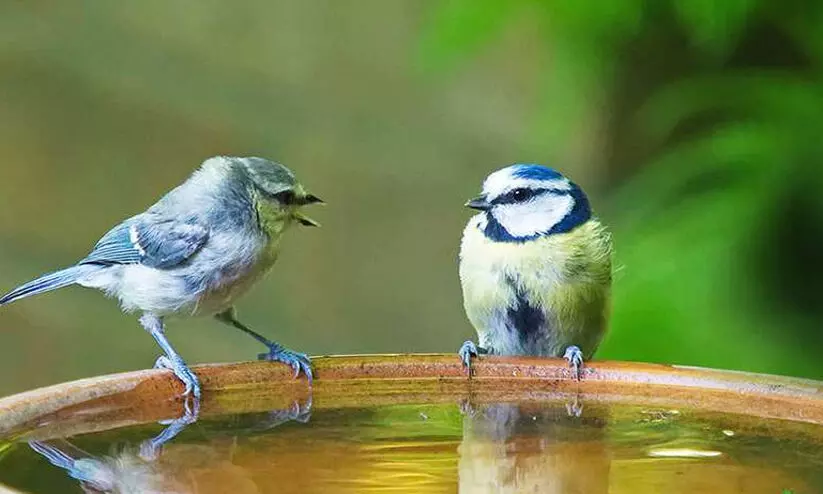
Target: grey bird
(194, 252)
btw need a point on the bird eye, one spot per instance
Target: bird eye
(520, 194)
(286, 197)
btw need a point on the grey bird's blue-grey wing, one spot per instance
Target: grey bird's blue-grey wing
(150, 240)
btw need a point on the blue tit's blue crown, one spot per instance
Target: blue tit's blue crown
(535, 172)
(528, 201)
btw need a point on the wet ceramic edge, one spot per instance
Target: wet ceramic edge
(118, 400)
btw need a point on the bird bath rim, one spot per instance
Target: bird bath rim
(130, 398)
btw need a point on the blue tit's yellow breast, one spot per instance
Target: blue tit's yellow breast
(567, 276)
(488, 267)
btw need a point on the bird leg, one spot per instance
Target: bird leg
(468, 350)
(154, 325)
(278, 353)
(575, 358)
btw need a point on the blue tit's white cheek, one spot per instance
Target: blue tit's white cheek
(533, 217)
(479, 221)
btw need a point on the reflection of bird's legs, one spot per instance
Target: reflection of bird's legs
(574, 408)
(295, 412)
(467, 408)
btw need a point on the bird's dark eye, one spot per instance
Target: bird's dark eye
(520, 194)
(285, 197)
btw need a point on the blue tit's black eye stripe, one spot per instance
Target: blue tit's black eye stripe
(285, 197)
(290, 198)
(523, 194)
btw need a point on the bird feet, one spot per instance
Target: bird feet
(575, 358)
(298, 361)
(182, 371)
(469, 350)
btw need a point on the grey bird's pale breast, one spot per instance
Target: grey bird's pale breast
(210, 282)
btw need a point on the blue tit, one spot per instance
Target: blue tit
(194, 252)
(535, 268)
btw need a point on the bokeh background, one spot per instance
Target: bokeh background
(694, 125)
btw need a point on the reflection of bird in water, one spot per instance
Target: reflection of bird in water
(127, 472)
(534, 449)
(184, 468)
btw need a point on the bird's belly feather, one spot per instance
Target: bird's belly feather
(519, 300)
(208, 284)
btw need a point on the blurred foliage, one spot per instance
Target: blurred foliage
(711, 115)
(692, 124)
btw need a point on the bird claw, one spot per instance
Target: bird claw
(575, 358)
(468, 350)
(182, 371)
(297, 361)
(162, 362)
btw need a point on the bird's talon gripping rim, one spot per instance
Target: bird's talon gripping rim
(575, 358)
(183, 373)
(162, 362)
(467, 351)
(297, 361)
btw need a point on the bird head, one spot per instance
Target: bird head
(279, 194)
(525, 201)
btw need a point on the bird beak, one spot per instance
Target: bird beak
(305, 220)
(481, 203)
(305, 201)
(310, 199)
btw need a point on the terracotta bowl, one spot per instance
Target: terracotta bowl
(127, 399)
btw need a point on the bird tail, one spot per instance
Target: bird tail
(49, 282)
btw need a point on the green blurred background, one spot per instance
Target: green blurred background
(693, 124)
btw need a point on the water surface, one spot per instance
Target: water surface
(547, 447)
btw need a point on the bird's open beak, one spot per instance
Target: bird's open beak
(310, 199)
(304, 201)
(481, 203)
(305, 220)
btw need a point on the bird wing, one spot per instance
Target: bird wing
(150, 240)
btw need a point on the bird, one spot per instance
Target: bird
(194, 252)
(535, 268)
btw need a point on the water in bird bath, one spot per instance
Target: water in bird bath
(546, 447)
(417, 424)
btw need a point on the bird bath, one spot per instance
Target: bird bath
(417, 424)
